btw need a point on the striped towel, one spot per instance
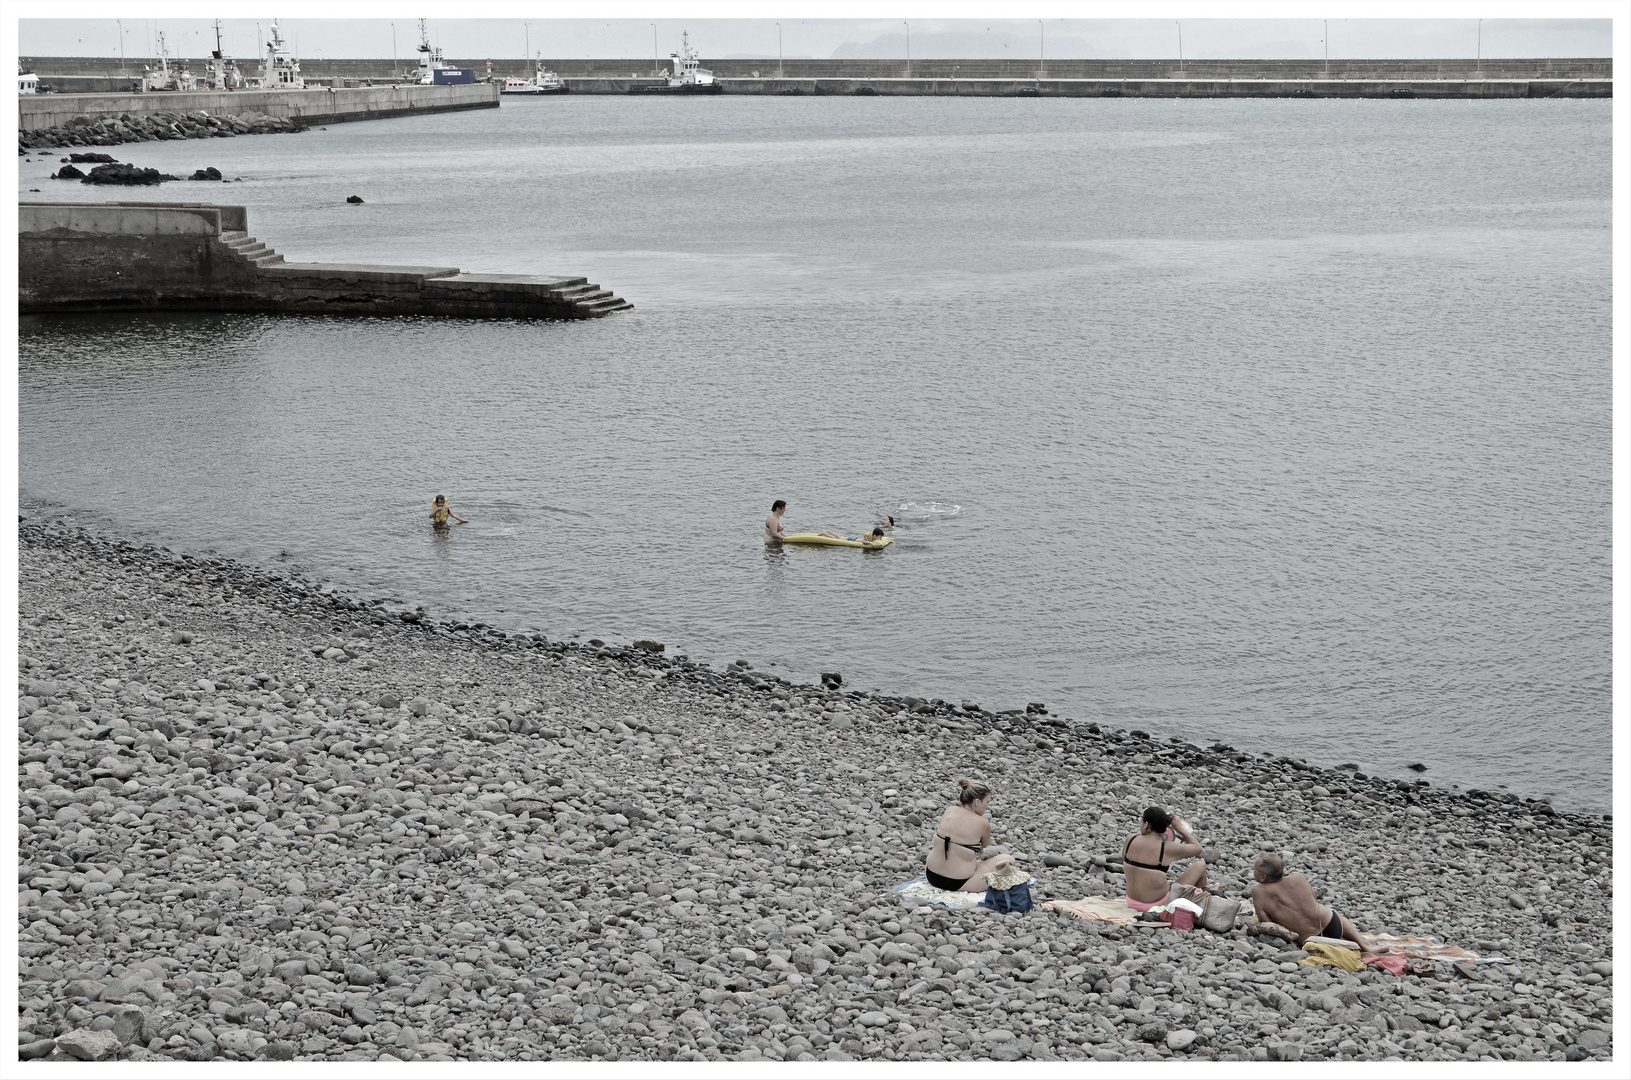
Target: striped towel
(1427, 947)
(920, 889)
(1110, 909)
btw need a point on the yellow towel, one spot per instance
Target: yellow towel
(1320, 954)
(1110, 909)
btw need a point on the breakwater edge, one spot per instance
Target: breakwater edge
(264, 819)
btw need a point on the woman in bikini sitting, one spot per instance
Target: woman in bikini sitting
(1150, 851)
(963, 836)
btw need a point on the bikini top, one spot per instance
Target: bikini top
(945, 849)
(1143, 865)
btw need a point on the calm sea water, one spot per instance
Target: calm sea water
(1281, 423)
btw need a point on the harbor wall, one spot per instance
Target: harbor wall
(196, 256)
(1148, 88)
(98, 256)
(324, 106)
(384, 70)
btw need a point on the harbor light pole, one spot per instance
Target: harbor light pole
(908, 48)
(779, 72)
(653, 47)
(1479, 63)
(1325, 43)
(394, 72)
(1180, 27)
(121, 46)
(526, 38)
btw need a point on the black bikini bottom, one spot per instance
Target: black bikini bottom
(941, 882)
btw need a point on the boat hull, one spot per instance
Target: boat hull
(700, 88)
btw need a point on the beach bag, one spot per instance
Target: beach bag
(1217, 913)
(1009, 901)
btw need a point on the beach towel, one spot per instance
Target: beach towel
(1322, 954)
(1110, 909)
(920, 889)
(1427, 947)
(1395, 964)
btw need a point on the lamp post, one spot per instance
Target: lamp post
(1041, 48)
(779, 73)
(526, 38)
(908, 48)
(121, 46)
(1479, 63)
(395, 73)
(1180, 27)
(653, 47)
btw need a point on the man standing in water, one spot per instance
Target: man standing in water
(774, 533)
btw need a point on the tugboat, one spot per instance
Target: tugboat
(165, 79)
(543, 81)
(432, 71)
(279, 70)
(222, 70)
(688, 77)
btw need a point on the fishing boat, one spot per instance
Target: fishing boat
(164, 77)
(688, 77)
(543, 81)
(221, 73)
(27, 81)
(280, 70)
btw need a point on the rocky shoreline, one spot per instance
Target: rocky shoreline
(157, 127)
(262, 819)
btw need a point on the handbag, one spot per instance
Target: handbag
(1008, 901)
(1218, 914)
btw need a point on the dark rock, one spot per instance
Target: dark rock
(650, 646)
(126, 175)
(91, 159)
(831, 680)
(1153, 1033)
(1418, 767)
(68, 172)
(31, 1050)
(354, 199)
(211, 173)
(277, 1051)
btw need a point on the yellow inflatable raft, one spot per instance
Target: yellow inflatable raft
(817, 538)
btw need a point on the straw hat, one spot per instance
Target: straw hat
(1006, 873)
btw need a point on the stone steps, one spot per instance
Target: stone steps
(250, 250)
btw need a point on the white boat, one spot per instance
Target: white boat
(27, 81)
(279, 69)
(542, 82)
(432, 70)
(164, 77)
(222, 71)
(688, 77)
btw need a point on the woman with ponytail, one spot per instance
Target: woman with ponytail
(960, 855)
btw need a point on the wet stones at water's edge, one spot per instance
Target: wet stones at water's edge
(264, 820)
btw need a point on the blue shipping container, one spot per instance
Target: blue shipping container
(452, 76)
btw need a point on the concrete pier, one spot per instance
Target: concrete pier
(1456, 77)
(310, 107)
(196, 256)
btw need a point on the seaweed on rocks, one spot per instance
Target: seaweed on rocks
(261, 819)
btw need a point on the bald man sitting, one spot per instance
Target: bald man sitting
(1288, 899)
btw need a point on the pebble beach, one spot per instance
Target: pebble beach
(264, 819)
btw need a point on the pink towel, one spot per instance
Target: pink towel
(1395, 964)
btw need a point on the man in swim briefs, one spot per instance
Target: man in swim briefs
(1289, 900)
(774, 533)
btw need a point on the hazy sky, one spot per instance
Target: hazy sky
(190, 35)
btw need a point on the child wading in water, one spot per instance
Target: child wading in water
(440, 511)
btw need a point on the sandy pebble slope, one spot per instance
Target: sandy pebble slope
(258, 820)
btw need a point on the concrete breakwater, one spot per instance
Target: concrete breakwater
(264, 819)
(1188, 87)
(309, 107)
(196, 256)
